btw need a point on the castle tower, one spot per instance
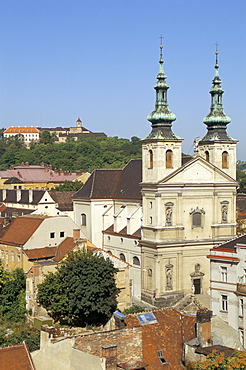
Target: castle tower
(161, 149)
(217, 147)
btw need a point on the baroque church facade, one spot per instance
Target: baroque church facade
(188, 204)
(187, 207)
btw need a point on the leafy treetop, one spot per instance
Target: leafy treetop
(81, 291)
(219, 361)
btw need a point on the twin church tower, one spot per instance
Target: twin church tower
(189, 204)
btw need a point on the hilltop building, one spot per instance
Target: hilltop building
(29, 134)
(182, 208)
(63, 133)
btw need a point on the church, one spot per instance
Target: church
(174, 208)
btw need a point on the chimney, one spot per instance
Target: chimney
(30, 195)
(4, 194)
(18, 195)
(110, 353)
(203, 326)
(76, 234)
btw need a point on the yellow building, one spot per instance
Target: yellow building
(37, 177)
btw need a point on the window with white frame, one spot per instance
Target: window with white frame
(18, 257)
(161, 356)
(224, 302)
(2, 255)
(7, 255)
(223, 270)
(12, 256)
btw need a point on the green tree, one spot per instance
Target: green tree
(68, 186)
(82, 290)
(217, 361)
(46, 137)
(12, 294)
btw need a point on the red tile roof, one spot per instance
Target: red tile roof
(226, 258)
(66, 246)
(21, 130)
(38, 174)
(16, 358)
(21, 229)
(169, 334)
(40, 253)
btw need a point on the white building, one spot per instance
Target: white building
(228, 283)
(29, 134)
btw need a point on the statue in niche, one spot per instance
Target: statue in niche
(197, 268)
(224, 211)
(169, 279)
(169, 213)
(195, 144)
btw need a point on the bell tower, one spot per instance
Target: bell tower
(161, 149)
(217, 147)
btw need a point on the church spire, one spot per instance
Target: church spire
(216, 120)
(161, 117)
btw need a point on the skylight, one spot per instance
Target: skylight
(147, 318)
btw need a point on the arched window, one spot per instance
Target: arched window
(224, 160)
(197, 219)
(122, 257)
(83, 219)
(207, 156)
(150, 158)
(136, 261)
(169, 159)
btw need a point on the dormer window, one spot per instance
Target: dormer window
(161, 356)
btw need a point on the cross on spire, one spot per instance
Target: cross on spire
(161, 37)
(216, 52)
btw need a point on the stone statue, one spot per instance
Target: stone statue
(169, 280)
(224, 211)
(195, 144)
(169, 217)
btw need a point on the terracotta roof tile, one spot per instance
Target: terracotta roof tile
(21, 130)
(40, 253)
(169, 334)
(66, 246)
(21, 229)
(16, 358)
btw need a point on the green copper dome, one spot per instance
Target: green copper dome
(161, 117)
(216, 120)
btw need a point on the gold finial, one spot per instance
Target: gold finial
(216, 52)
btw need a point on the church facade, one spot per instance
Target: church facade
(163, 214)
(187, 207)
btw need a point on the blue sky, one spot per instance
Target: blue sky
(98, 60)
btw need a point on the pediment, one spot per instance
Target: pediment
(198, 171)
(46, 198)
